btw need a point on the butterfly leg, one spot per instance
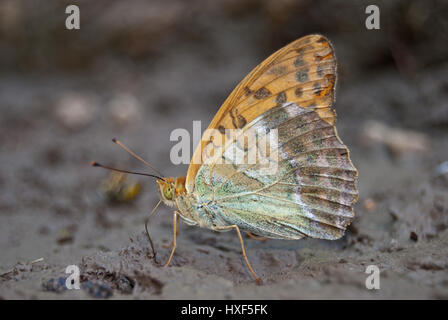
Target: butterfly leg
(242, 249)
(147, 232)
(175, 227)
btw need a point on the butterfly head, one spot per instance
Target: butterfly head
(170, 188)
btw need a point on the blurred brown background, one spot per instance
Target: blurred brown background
(136, 70)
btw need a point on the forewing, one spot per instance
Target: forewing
(303, 72)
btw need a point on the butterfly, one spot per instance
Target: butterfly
(313, 189)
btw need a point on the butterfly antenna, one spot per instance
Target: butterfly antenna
(96, 164)
(135, 155)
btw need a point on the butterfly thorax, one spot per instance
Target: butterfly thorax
(173, 193)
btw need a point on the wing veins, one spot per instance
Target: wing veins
(298, 204)
(288, 88)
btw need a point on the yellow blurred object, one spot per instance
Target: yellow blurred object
(118, 188)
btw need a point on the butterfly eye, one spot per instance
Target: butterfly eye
(168, 193)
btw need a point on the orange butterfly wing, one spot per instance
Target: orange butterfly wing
(303, 72)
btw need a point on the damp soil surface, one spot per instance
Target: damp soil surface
(53, 208)
(52, 204)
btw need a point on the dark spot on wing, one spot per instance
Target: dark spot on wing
(317, 89)
(302, 75)
(222, 129)
(299, 62)
(262, 93)
(301, 51)
(298, 92)
(247, 91)
(281, 97)
(239, 122)
(320, 71)
(322, 40)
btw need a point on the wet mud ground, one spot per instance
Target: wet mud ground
(52, 206)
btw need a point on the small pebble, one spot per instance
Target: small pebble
(441, 169)
(97, 290)
(124, 109)
(397, 140)
(125, 285)
(74, 111)
(369, 204)
(55, 285)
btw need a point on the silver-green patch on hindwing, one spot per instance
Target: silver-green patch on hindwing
(310, 194)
